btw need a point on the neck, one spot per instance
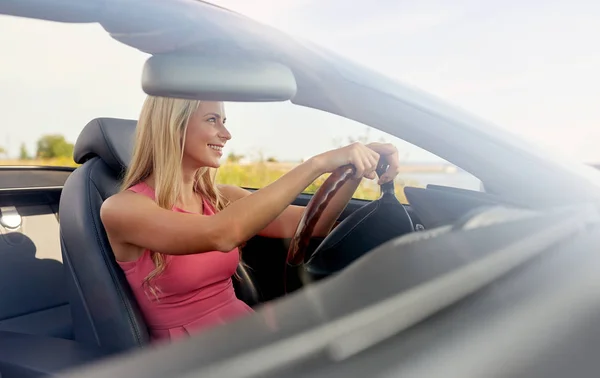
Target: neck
(188, 195)
(188, 198)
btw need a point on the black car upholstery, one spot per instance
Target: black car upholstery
(32, 290)
(104, 310)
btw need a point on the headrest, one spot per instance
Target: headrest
(111, 139)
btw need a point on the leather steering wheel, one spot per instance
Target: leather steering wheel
(313, 212)
(300, 241)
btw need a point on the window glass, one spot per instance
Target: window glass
(71, 88)
(268, 139)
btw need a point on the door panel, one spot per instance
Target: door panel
(33, 298)
(32, 293)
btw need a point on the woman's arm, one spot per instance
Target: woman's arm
(284, 226)
(133, 220)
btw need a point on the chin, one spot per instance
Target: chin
(211, 164)
(206, 162)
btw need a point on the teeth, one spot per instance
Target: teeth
(218, 148)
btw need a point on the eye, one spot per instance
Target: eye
(212, 119)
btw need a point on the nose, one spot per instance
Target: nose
(224, 133)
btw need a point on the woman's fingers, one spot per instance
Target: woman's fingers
(359, 165)
(365, 159)
(371, 176)
(390, 153)
(371, 161)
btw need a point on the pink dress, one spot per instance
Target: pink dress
(196, 291)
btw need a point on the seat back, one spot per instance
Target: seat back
(103, 307)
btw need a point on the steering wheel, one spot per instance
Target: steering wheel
(313, 212)
(366, 228)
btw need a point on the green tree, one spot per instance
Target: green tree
(271, 160)
(2, 151)
(53, 146)
(23, 154)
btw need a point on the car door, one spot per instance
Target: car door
(33, 298)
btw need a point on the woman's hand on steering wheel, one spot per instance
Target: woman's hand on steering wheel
(390, 154)
(364, 160)
(355, 160)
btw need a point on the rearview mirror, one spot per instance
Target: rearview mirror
(217, 79)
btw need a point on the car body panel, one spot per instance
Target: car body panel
(293, 329)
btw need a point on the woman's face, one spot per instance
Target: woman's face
(206, 136)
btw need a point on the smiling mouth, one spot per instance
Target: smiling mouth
(216, 147)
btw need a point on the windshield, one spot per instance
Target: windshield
(56, 77)
(476, 236)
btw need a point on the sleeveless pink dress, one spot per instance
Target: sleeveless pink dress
(196, 291)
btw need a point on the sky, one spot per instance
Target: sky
(531, 67)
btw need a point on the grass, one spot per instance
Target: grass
(258, 175)
(254, 175)
(65, 162)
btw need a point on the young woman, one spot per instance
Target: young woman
(175, 233)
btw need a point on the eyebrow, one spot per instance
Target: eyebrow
(213, 114)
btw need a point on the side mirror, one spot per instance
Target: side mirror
(217, 79)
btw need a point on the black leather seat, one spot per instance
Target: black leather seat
(104, 310)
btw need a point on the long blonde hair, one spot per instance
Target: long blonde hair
(158, 151)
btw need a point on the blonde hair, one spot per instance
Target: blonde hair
(158, 151)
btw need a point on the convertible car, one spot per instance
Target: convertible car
(497, 282)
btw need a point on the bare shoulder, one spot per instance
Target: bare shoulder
(232, 192)
(123, 201)
(118, 207)
(119, 213)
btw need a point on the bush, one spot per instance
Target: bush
(258, 175)
(255, 175)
